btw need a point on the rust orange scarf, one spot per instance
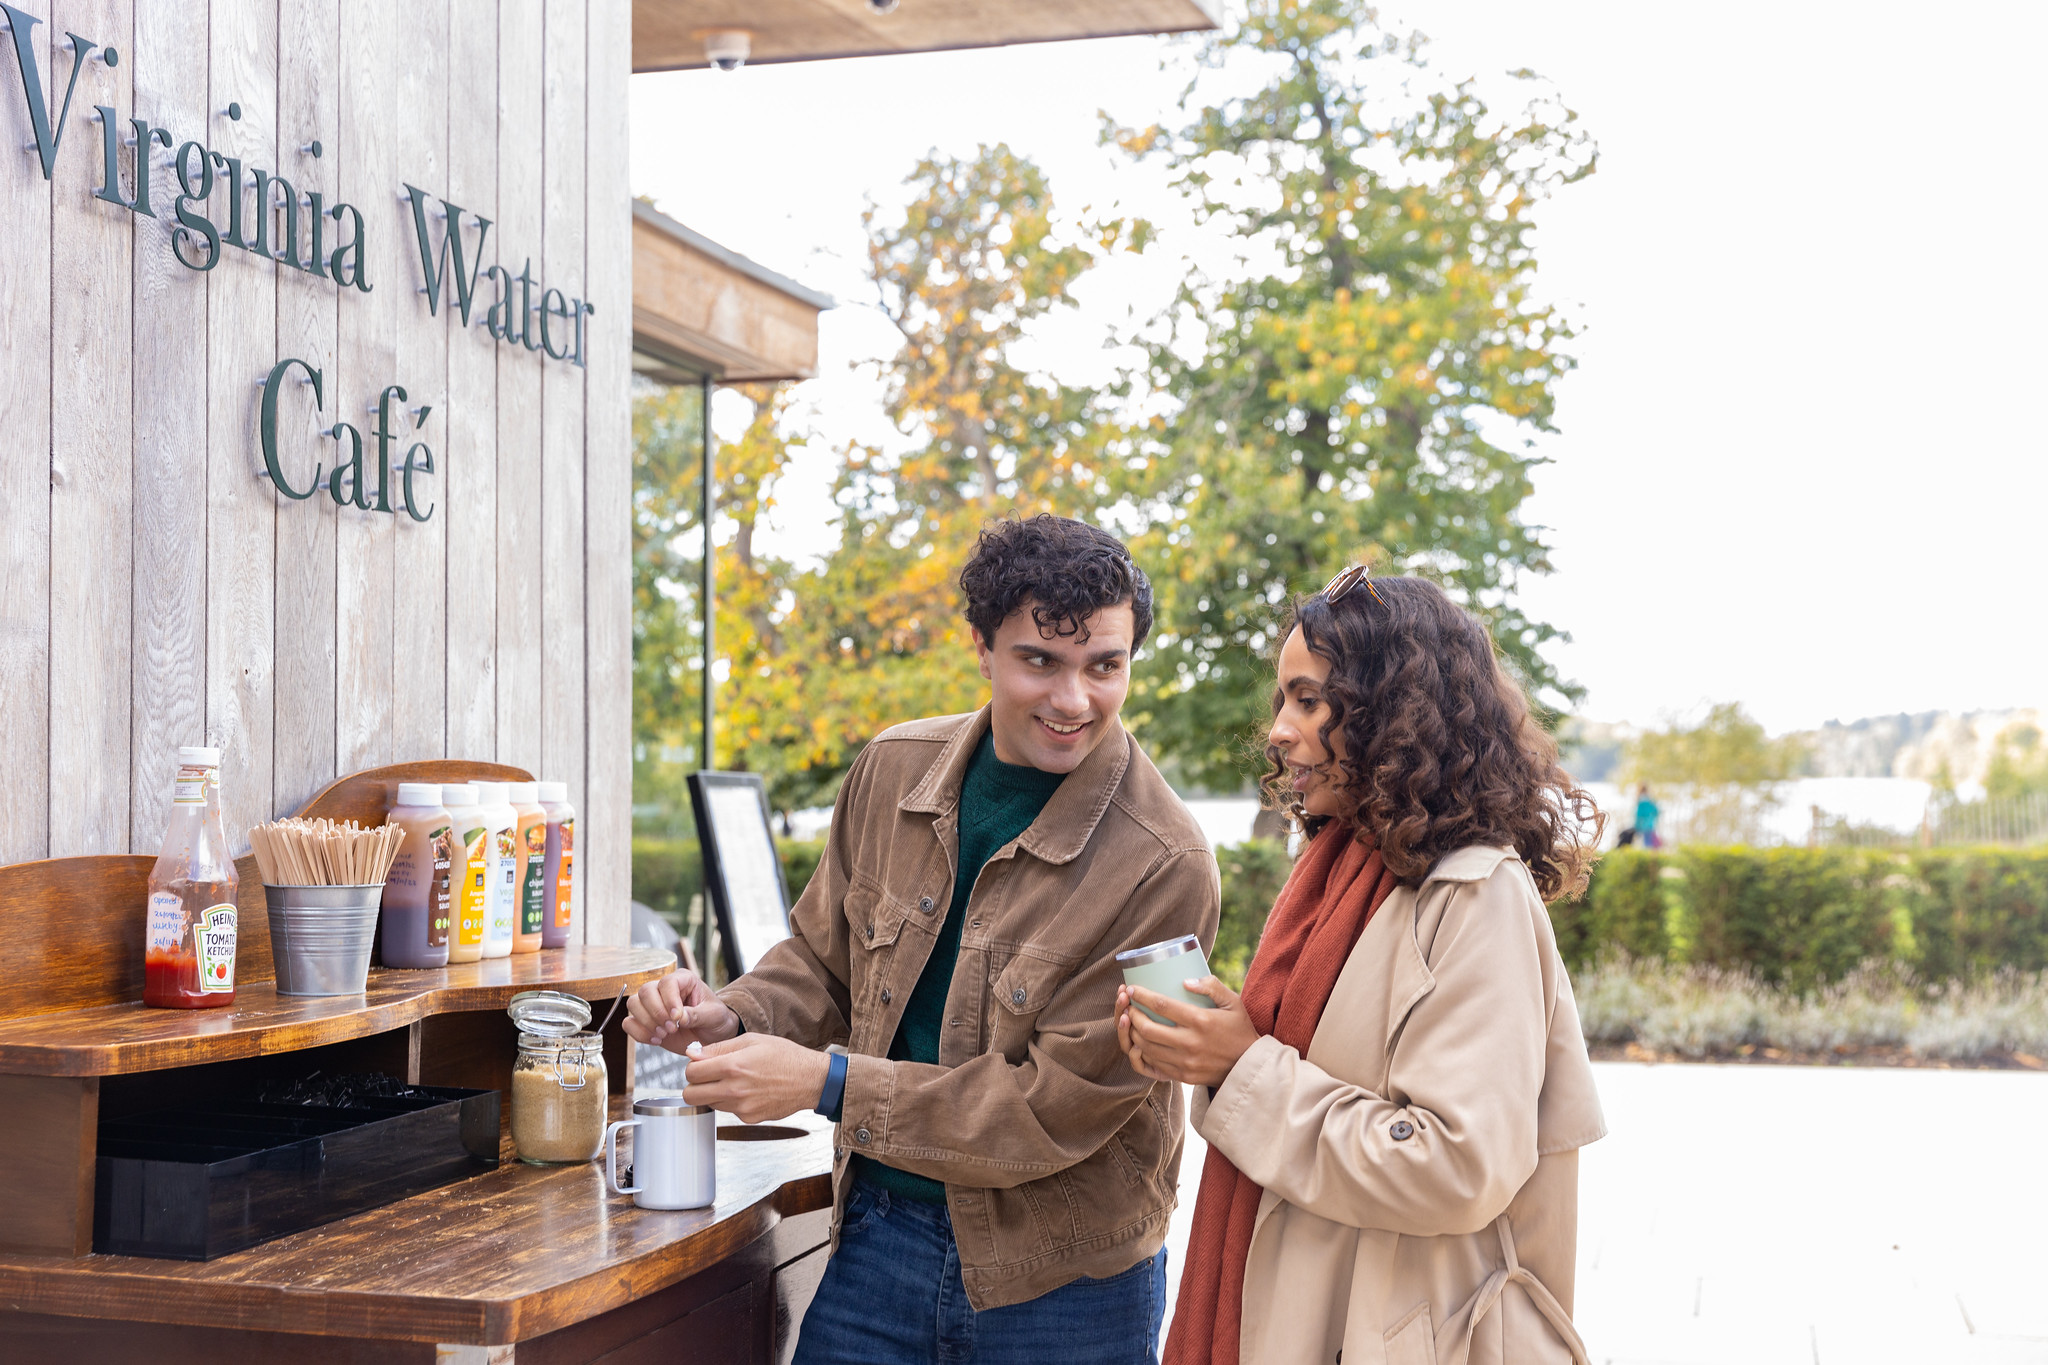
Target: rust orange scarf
(1335, 887)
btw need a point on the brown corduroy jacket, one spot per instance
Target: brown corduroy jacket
(1059, 1160)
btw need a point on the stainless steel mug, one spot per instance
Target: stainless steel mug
(1162, 967)
(675, 1154)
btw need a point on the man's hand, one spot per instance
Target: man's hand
(1202, 1045)
(756, 1077)
(676, 1011)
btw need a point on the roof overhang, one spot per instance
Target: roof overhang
(668, 35)
(701, 309)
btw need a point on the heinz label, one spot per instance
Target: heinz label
(214, 936)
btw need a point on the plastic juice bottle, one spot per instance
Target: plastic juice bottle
(502, 868)
(466, 873)
(530, 844)
(189, 959)
(416, 910)
(559, 875)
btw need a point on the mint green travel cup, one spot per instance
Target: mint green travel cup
(1162, 967)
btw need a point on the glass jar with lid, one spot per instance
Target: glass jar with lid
(559, 1084)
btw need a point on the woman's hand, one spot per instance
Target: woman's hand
(1202, 1046)
(755, 1077)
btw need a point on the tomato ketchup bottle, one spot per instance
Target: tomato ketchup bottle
(189, 961)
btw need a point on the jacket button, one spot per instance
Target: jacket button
(868, 932)
(1402, 1130)
(886, 996)
(1017, 996)
(925, 904)
(860, 1135)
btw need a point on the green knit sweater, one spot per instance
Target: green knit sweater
(998, 802)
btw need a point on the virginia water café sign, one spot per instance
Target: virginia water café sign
(268, 218)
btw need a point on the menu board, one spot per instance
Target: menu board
(741, 869)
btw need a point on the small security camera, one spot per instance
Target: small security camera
(881, 6)
(727, 48)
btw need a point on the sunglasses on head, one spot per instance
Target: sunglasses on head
(1345, 581)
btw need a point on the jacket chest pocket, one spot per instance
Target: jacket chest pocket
(1024, 986)
(873, 921)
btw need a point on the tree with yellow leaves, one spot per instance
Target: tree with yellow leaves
(817, 661)
(1373, 396)
(877, 635)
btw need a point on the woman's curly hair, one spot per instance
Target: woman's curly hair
(1440, 749)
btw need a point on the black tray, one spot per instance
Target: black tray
(193, 1184)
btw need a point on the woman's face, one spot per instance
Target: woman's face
(1295, 729)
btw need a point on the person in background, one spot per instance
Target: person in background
(1395, 1104)
(1646, 818)
(1002, 1182)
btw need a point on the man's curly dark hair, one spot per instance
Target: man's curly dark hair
(1440, 749)
(1066, 569)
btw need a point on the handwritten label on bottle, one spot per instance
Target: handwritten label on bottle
(166, 922)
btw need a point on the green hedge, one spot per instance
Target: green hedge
(1253, 873)
(1797, 917)
(1801, 917)
(667, 873)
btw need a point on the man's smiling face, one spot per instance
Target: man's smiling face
(1055, 699)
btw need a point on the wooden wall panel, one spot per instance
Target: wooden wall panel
(365, 542)
(416, 153)
(519, 395)
(241, 507)
(470, 490)
(25, 479)
(155, 589)
(606, 807)
(308, 93)
(169, 634)
(91, 453)
(561, 494)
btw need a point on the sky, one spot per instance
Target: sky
(1800, 465)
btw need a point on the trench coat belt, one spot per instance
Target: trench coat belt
(1454, 1339)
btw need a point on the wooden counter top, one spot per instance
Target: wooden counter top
(504, 1257)
(120, 1039)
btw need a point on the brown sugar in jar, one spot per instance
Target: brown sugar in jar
(559, 1082)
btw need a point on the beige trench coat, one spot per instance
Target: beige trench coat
(1420, 1164)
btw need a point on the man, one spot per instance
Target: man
(1002, 1181)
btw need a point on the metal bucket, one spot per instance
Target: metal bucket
(320, 937)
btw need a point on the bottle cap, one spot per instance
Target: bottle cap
(193, 756)
(419, 793)
(458, 794)
(489, 793)
(522, 793)
(553, 791)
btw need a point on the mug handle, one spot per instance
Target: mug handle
(611, 1157)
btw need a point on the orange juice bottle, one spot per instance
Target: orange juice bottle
(466, 872)
(530, 846)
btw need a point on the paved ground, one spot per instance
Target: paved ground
(1752, 1215)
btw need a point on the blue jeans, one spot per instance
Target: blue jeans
(892, 1294)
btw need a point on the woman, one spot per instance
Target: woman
(1394, 1105)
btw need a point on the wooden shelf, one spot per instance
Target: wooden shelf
(122, 1039)
(504, 1257)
